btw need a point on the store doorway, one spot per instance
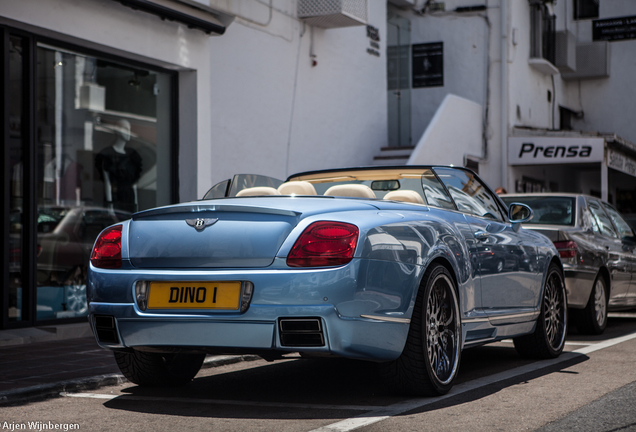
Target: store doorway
(399, 80)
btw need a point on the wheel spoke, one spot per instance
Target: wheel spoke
(599, 302)
(553, 311)
(441, 340)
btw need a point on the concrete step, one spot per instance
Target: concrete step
(393, 156)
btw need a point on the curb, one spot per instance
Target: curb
(49, 391)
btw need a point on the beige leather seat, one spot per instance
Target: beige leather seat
(297, 188)
(258, 191)
(351, 190)
(404, 195)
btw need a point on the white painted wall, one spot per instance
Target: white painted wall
(443, 145)
(465, 37)
(473, 70)
(472, 53)
(274, 113)
(609, 104)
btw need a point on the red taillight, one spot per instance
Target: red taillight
(324, 244)
(107, 249)
(567, 249)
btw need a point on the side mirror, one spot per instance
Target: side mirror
(519, 213)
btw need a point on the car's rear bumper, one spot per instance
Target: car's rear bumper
(358, 317)
(363, 338)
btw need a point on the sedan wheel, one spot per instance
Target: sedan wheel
(500, 266)
(593, 319)
(430, 360)
(548, 338)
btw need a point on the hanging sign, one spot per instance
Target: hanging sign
(554, 150)
(620, 162)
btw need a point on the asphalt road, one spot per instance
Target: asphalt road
(592, 387)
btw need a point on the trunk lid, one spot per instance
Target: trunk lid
(233, 232)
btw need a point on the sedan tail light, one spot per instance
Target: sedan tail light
(567, 249)
(107, 249)
(324, 244)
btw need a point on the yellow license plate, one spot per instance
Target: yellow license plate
(194, 295)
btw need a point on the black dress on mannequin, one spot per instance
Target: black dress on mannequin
(124, 171)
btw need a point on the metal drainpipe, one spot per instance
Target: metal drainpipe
(504, 95)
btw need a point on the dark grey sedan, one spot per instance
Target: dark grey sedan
(597, 248)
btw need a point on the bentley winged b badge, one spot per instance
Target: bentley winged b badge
(200, 223)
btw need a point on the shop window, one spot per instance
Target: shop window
(103, 143)
(542, 32)
(585, 9)
(102, 138)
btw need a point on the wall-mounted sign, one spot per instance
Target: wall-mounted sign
(622, 163)
(428, 64)
(614, 29)
(373, 33)
(554, 150)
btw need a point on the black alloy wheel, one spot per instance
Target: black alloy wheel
(548, 339)
(430, 360)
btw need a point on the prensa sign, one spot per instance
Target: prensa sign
(554, 150)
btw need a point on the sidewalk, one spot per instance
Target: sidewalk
(37, 363)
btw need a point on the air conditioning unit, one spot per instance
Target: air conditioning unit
(565, 51)
(333, 13)
(592, 61)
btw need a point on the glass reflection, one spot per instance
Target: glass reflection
(16, 183)
(102, 137)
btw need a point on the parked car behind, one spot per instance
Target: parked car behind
(65, 236)
(596, 246)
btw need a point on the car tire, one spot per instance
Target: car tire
(548, 339)
(500, 266)
(593, 319)
(159, 369)
(429, 362)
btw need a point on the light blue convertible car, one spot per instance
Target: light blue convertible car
(388, 264)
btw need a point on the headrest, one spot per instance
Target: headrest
(404, 195)
(350, 190)
(297, 188)
(258, 191)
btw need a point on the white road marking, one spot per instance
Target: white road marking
(376, 414)
(510, 341)
(621, 315)
(88, 395)
(409, 405)
(605, 344)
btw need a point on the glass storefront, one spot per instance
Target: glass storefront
(100, 148)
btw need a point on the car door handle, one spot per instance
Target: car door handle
(481, 235)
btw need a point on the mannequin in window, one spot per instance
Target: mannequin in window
(120, 168)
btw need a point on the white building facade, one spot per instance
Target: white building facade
(554, 78)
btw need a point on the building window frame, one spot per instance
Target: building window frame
(585, 9)
(542, 32)
(29, 129)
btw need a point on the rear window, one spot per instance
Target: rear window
(547, 210)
